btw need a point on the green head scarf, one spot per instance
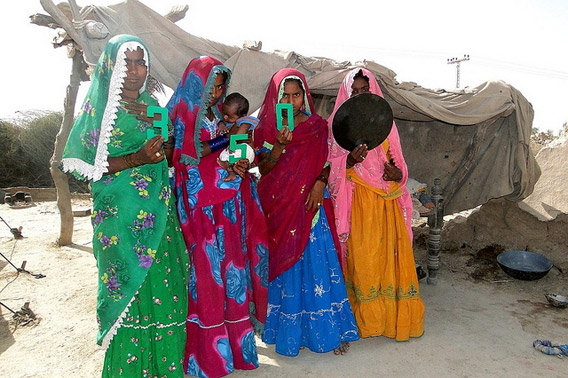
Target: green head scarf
(86, 151)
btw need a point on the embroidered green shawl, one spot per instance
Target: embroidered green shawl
(130, 206)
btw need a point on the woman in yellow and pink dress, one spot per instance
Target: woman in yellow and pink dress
(373, 210)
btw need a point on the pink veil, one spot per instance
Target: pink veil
(370, 170)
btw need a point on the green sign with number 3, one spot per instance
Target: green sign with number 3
(162, 124)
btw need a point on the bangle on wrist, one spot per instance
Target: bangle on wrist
(322, 178)
(128, 161)
(131, 160)
(218, 143)
(350, 161)
(271, 159)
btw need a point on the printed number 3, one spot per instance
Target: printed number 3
(162, 124)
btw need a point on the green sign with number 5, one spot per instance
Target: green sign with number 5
(235, 146)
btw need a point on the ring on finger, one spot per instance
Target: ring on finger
(158, 154)
(319, 204)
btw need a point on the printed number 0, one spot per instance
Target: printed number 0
(279, 115)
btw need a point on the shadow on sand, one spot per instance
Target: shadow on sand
(6, 338)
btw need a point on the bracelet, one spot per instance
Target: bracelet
(350, 161)
(218, 143)
(271, 159)
(322, 178)
(130, 161)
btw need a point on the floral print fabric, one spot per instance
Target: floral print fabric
(138, 247)
(129, 219)
(151, 340)
(225, 231)
(228, 276)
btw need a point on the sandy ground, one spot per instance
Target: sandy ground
(476, 325)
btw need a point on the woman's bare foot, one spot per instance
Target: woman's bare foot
(341, 349)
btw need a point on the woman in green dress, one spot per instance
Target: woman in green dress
(141, 256)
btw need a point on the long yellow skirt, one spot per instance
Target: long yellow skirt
(381, 279)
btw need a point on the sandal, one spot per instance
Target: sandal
(341, 349)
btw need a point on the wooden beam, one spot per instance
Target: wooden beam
(177, 13)
(44, 20)
(61, 19)
(75, 11)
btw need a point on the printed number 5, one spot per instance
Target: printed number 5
(234, 146)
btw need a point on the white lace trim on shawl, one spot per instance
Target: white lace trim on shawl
(120, 323)
(117, 324)
(96, 171)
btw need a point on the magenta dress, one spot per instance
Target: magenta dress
(225, 232)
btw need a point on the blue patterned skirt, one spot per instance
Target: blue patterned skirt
(307, 304)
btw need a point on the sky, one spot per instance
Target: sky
(521, 42)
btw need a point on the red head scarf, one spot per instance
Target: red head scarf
(188, 106)
(284, 190)
(198, 179)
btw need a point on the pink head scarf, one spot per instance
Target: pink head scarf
(371, 169)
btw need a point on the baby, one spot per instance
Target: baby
(235, 121)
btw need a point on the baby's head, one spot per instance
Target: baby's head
(235, 106)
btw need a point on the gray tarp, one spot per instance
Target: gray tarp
(475, 140)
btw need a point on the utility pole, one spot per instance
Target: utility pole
(457, 62)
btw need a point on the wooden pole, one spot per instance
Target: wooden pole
(60, 178)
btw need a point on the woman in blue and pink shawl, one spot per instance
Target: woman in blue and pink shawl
(224, 229)
(307, 300)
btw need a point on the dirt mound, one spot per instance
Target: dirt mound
(501, 222)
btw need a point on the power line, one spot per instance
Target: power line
(523, 68)
(478, 60)
(370, 54)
